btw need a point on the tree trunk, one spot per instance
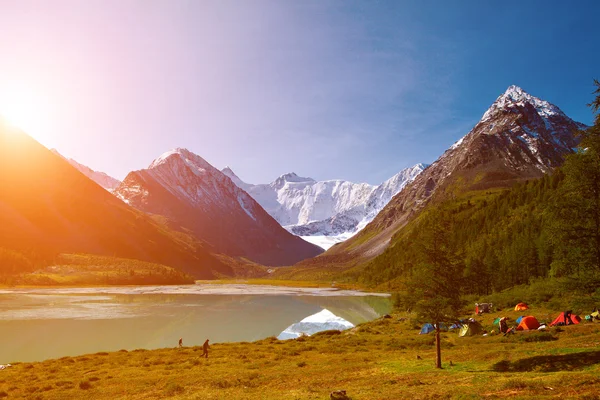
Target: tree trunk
(438, 348)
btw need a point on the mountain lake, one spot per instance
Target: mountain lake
(39, 324)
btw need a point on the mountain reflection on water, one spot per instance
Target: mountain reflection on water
(324, 320)
(52, 323)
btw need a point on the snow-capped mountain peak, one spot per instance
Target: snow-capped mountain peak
(229, 172)
(236, 179)
(186, 189)
(290, 177)
(516, 96)
(191, 159)
(519, 138)
(333, 209)
(293, 177)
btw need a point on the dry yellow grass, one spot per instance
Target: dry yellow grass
(377, 360)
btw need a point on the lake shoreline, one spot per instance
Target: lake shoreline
(198, 288)
(81, 320)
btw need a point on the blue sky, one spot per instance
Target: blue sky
(327, 89)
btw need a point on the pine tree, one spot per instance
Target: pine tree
(434, 289)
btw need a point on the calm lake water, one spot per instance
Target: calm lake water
(38, 324)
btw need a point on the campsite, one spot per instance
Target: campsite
(383, 359)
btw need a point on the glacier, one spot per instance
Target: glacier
(324, 212)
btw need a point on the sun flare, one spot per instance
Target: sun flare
(14, 115)
(23, 109)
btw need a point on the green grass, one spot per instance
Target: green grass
(383, 359)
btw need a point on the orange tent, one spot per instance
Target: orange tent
(566, 318)
(521, 307)
(528, 323)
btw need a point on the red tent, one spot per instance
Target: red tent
(528, 323)
(566, 318)
(521, 307)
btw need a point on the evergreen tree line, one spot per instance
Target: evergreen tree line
(501, 240)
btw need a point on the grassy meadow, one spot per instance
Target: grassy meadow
(383, 359)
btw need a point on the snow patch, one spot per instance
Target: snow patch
(458, 143)
(242, 204)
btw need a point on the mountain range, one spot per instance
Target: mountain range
(519, 137)
(324, 212)
(183, 212)
(198, 198)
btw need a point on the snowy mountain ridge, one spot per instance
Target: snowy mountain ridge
(515, 96)
(106, 181)
(335, 209)
(196, 197)
(520, 137)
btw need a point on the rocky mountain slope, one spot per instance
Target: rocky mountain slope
(48, 207)
(519, 137)
(197, 197)
(106, 181)
(336, 209)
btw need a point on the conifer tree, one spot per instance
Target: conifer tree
(434, 289)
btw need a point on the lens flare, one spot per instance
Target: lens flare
(22, 109)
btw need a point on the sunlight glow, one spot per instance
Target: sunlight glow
(23, 109)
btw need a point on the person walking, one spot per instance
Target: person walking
(205, 348)
(180, 342)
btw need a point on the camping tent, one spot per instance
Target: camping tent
(521, 307)
(566, 318)
(520, 319)
(595, 315)
(528, 323)
(497, 321)
(481, 308)
(470, 328)
(427, 328)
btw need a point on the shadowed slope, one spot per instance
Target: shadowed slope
(49, 207)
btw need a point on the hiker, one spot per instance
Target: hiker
(503, 325)
(568, 320)
(180, 342)
(205, 348)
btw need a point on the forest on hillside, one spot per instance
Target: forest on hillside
(496, 240)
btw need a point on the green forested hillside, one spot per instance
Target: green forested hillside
(502, 238)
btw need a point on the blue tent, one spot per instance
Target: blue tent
(520, 318)
(427, 328)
